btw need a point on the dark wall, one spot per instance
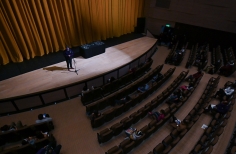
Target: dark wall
(202, 35)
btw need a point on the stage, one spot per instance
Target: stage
(57, 75)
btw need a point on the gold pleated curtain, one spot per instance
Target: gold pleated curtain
(32, 28)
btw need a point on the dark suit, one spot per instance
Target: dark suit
(68, 54)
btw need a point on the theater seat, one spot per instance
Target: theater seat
(114, 150)
(98, 122)
(127, 122)
(105, 135)
(161, 149)
(127, 145)
(108, 115)
(117, 128)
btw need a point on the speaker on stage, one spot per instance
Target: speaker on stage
(140, 25)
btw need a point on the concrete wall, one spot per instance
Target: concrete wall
(213, 14)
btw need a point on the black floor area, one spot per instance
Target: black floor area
(14, 69)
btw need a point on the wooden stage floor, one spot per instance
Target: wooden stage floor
(57, 75)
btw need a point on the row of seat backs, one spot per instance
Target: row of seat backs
(108, 101)
(118, 110)
(128, 145)
(197, 110)
(24, 132)
(99, 92)
(116, 129)
(229, 55)
(192, 56)
(176, 63)
(28, 149)
(179, 61)
(205, 98)
(169, 56)
(215, 56)
(171, 140)
(215, 129)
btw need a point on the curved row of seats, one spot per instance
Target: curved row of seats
(215, 57)
(125, 123)
(232, 146)
(191, 57)
(13, 136)
(178, 62)
(100, 92)
(171, 53)
(213, 132)
(116, 111)
(229, 56)
(175, 136)
(108, 101)
(127, 145)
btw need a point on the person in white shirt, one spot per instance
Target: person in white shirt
(224, 92)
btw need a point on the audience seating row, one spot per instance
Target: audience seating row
(232, 145)
(118, 110)
(171, 53)
(178, 62)
(213, 132)
(125, 123)
(28, 149)
(216, 59)
(100, 92)
(15, 136)
(175, 136)
(229, 57)
(26, 131)
(191, 57)
(127, 145)
(108, 101)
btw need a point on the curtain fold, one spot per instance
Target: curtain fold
(32, 28)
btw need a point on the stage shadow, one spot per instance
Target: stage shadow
(54, 68)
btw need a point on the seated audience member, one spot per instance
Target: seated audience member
(85, 88)
(227, 69)
(182, 126)
(222, 107)
(111, 80)
(50, 150)
(194, 76)
(174, 121)
(143, 88)
(95, 115)
(224, 92)
(12, 127)
(43, 118)
(156, 116)
(122, 100)
(184, 87)
(174, 98)
(157, 77)
(39, 135)
(133, 133)
(136, 135)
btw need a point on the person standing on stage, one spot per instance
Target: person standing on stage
(68, 54)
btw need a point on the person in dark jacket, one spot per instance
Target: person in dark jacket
(68, 54)
(222, 107)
